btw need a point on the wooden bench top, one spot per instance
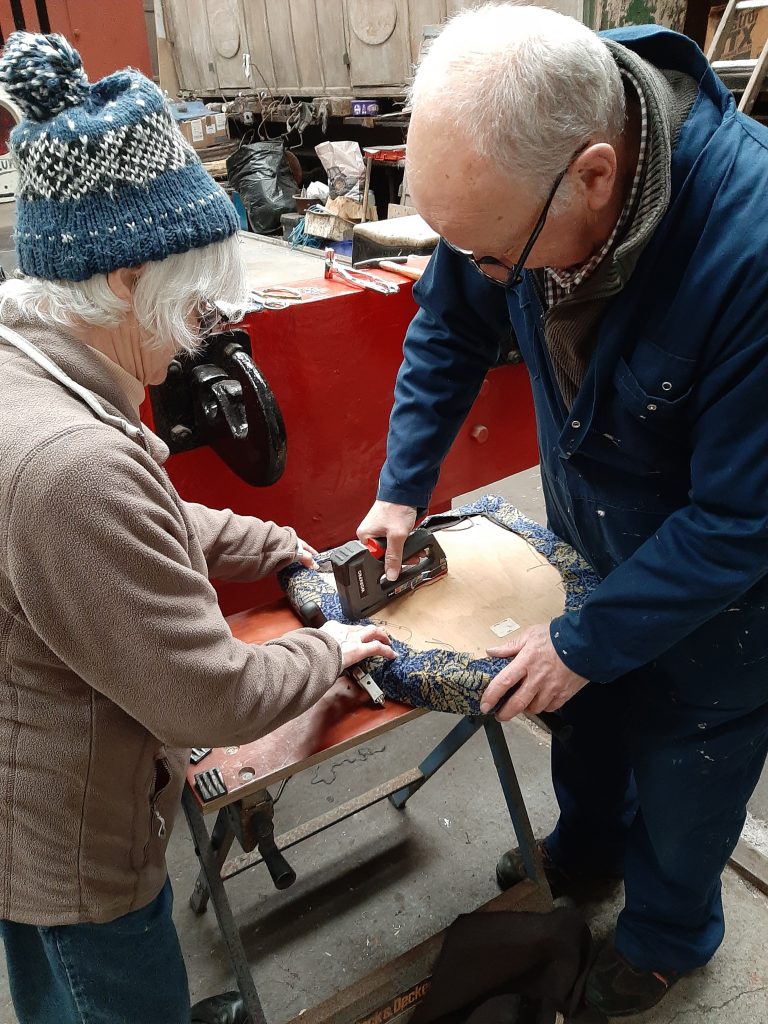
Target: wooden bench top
(343, 718)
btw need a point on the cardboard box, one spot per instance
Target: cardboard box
(216, 129)
(352, 209)
(193, 131)
(324, 224)
(203, 132)
(746, 36)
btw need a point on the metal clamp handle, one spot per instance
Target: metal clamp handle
(357, 278)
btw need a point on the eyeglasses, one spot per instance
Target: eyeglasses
(210, 318)
(514, 275)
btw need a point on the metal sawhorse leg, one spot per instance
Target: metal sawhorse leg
(210, 870)
(445, 750)
(212, 849)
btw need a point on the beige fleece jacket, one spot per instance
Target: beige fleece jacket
(114, 655)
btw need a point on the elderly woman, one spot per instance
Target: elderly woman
(115, 656)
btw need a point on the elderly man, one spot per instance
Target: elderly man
(602, 197)
(115, 656)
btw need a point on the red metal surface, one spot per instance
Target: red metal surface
(109, 36)
(343, 718)
(332, 362)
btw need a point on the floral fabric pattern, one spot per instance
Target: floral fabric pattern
(448, 680)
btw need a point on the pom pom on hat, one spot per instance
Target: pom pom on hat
(43, 74)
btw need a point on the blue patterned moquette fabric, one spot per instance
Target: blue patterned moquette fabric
(438, 679)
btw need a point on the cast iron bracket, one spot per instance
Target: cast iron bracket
(220, 398)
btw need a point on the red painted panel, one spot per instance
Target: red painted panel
(31, 22)
(332, 363)
(58, 16)
(109, 36)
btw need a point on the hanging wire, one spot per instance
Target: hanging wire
(283, 784)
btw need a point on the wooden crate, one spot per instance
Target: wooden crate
(747, 34)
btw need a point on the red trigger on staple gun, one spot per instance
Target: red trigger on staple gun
(376, 547)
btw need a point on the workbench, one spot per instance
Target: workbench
(341, 720)
(505, 571)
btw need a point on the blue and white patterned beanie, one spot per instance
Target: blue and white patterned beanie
(106, 179)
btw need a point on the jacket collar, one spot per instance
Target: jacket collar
(669, 97)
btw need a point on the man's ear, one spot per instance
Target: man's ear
(595, 169)
(122, 282)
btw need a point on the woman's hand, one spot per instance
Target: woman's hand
(359, 642)
(306, 554)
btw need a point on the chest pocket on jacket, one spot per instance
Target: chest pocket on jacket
(656, 396)
(648, 408)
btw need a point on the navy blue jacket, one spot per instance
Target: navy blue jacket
(658, 475)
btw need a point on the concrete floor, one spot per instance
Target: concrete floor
(385, 880)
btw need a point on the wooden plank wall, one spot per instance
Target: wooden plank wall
(334, 47)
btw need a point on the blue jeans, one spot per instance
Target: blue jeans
(129, 971)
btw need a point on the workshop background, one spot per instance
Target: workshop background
(298, 108)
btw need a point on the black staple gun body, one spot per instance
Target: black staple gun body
(359, 572)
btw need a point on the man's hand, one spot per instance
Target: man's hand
(306, 554)
(546, 683)
(393, 522)
(359, 642)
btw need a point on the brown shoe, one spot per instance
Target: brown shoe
(619, 989)
(510, 870)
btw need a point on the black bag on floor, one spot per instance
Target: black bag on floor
(499, 967)
(259, 171)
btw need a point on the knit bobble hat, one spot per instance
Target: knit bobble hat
(106, 179)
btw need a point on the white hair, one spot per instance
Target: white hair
(528, 87)
(164, 299)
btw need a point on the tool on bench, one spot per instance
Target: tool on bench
(311, 614)
(357, 278)
(359, 572)
(394, 264)
(210, 784)
(377, 260)
(274, 298)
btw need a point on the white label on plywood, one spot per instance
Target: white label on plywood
(494, 575)
(505, 627)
